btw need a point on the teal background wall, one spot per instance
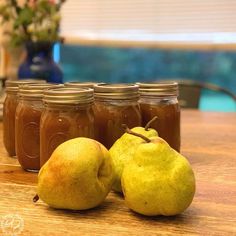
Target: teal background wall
(103, 64)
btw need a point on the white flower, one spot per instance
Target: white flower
(31, 28)
(21, 3)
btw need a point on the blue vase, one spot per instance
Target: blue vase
(39, 63)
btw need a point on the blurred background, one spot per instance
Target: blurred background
(146, 40)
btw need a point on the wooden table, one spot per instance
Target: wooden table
(209, 142)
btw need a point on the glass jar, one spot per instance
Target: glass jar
(9, 110)
(68, 114)
(160, 99)
(115, 104)
(27, 123)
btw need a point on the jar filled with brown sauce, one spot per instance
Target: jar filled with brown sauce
(9, 110)
(115, 104)
(27, 124)
(68, 114)
(160, 99)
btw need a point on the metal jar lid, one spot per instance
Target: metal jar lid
(81, 84)
(116, 91)
(68, 95)
(13, 85)
(158, 89)
(36, 90)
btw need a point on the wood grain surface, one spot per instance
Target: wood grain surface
(208, 141)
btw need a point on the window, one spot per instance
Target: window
(157, 23)
(142, 36)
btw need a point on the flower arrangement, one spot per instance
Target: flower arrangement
(31, 20)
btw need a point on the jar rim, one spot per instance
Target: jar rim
(36, 90)
(77, 84)
(116, 91)
(13, 85)
(66, 95)
(159, 88)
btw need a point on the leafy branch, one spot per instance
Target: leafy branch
(36, 20)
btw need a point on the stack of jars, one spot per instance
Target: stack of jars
(39, 116)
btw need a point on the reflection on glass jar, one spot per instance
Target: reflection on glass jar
(160, 99)
(9, 110)
(68, 114)
(115, 104)
(27, 124)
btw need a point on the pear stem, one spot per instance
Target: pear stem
(147, 126)
(127, 130)
(36, 198)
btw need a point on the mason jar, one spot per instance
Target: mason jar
(115, 105)
(160, 99)
(27, 123)
(9, 110)
(68, 114)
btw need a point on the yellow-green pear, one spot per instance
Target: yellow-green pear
(158, 180)
(78, 175)
(123, 150)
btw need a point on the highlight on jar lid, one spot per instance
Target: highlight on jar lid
(36, 90)
(13, 85)
(116, 91)
(81, 84)
(68, 95)
(158, 89)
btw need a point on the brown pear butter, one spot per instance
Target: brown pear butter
(68, 114)
(9, 111)
(27, 123)
(115, 105)
(160, 99)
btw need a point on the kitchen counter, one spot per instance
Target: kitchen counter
(209, 143)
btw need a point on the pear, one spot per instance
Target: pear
(158, 180)
(123, 150)
(78, 175)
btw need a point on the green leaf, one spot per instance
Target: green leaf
(44, 6)
(17, 40)
(25, 17)
(5, 13)
(3, 9)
